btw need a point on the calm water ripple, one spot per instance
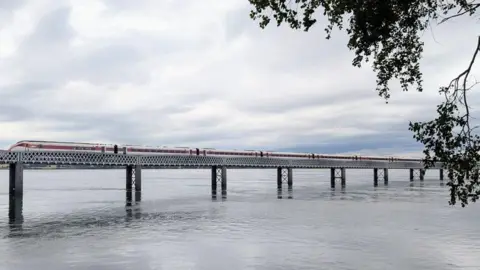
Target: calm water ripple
(82, 220)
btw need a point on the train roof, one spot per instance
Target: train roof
(42, 141)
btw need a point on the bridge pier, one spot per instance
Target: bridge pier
(134, 178)
(284, 174)
(337, 173)
(420, 173)
(219, 174)
(441, 174)
(383, 174)
(16, 179)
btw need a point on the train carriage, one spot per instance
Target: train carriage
(37, 145)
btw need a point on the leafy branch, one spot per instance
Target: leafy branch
(449, 137)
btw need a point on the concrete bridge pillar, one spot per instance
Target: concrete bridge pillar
(337, 173)
(134, 178)
(219, 174)
(441, 174)
(284, 175)
(16, 179)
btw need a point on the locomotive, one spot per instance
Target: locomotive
(43, 146)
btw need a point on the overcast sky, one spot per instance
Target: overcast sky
(203, 74)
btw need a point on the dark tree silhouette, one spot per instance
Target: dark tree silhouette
(389, 32)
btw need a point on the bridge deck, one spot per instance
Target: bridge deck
(101, 159)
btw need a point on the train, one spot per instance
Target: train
(44, 146)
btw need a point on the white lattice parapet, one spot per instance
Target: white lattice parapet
(103, 159)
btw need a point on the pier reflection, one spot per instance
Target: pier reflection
(133, 210)
(335, 192)
(223, 195)
(15, 213)
(289, 193)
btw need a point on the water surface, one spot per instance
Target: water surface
(81, 220)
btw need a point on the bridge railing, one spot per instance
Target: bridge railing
(103, 159)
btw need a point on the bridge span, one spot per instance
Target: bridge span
(218, 165)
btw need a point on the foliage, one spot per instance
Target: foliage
(389, 32)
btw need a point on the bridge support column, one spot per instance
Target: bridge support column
(284, 175)
(219, 174)
(441, 174)
(383, 174)
(421, 174)
(16, 179)
(337, 173)
(134, 178)
(138, 178)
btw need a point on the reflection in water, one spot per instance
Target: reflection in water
(224, 195)
(176, 226)
(414, 185)
(15, 213)
(336, 193)
(289, 193)
(132, 211)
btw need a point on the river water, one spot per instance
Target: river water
(80, 219)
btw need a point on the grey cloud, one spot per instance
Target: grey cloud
(238, 22)
(17, 101)
(132, 127)
(302, 102)
(400, 141)
(13, 113)
(42, 56)
(394, 135)
(10, 4)
(51, 29)
(123, 4)
(293, 50)
(7, 7)
(20, 90)
(47, 55)
(111, 63)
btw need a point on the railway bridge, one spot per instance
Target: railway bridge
(134, 163)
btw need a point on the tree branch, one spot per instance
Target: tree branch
(471, 9)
